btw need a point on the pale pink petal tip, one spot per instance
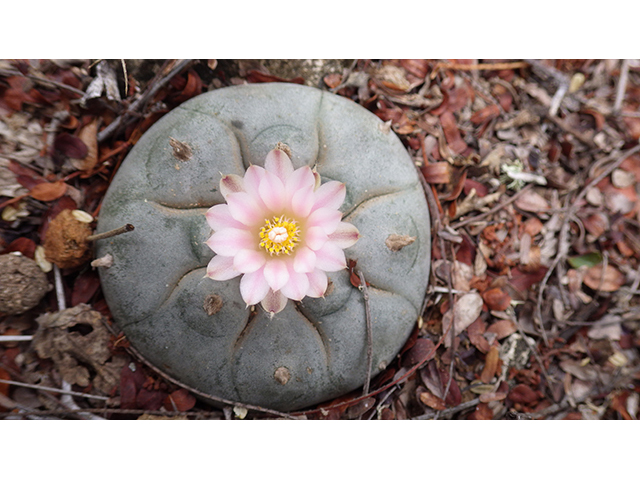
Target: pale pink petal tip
(279, 163)
(231, 184)
(274, 302)
(345, 236)
(221, 268)
(253, 288)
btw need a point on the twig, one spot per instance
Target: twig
(46, 81)
(448, 411)
(54, 390)
(621, 87)
(511, 199)
(111, 233)
(550, 381)
(367, 314)
(16, 338)
(480, 66)
(123, 119)
(122, 411)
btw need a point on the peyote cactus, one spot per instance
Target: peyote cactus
(199, 330)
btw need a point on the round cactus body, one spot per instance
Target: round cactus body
(199, 330)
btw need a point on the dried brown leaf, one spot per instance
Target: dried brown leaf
(439, 172)
(46, 192)
(496, 299)
(531, 201)
(432, 401)
(610, 281)
(88, 135)
(502, 328)
(452, 133)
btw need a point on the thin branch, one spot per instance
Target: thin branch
(123, 119)
(54, 390)
(476, 218)
(367, 315)
(15, 338)
(46, 81)
(621, 87)
(449, 411)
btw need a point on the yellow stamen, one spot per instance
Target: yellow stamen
(279, 235)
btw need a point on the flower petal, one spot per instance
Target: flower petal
(230, 241)
(274, 302)
(245, 209)
(297, 286)
(253, 287)
(305, 260)
(248, 261)
(345, 235)
(272, 192)
(301, 178)
(252, 178)
(279, 163)
(315, 238)
(221, 268)
(219, 217)
(326, 218)
(276, 274)
(318, 283)
(330, 258)
(302, 201)
(330, 195)
(230, 184)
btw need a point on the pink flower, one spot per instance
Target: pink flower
(281, 230)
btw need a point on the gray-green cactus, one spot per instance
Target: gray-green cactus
(199, 330)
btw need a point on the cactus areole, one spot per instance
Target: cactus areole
(248, 202)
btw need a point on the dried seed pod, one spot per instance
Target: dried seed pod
(22, 284)
(66, 243)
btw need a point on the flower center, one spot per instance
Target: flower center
(279, 235)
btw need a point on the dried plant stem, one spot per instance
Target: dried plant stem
(123, 119)
(480, 66)
(367, 316)
(54, 390)
(111, 233)
(15, 338)
(511, 199)
(46, 81)
(621, 87)
(449, 411)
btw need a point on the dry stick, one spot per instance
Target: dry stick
(481, 66)
(498, 207)
(452, 327)
(621, 87)
(111, 233)
(367, 315)
(123, 411)
(139, 103)
(46, 81)
(16, 338)
(54, 390)
(448, 411)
